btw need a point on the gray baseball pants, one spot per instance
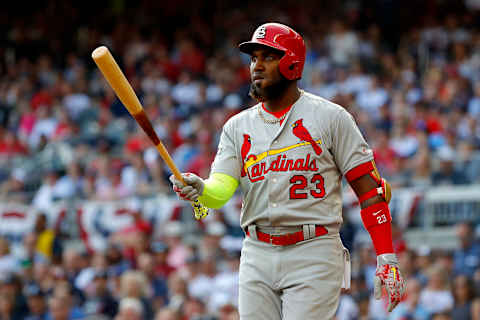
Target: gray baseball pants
(301, 281)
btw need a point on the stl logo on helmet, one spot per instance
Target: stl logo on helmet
(261, 32)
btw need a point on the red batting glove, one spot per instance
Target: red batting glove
(388, 275)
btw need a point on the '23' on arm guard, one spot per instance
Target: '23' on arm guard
(218, 189)
(376, 217)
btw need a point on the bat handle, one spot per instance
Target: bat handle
(199, 209)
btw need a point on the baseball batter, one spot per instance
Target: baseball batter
(288, 154)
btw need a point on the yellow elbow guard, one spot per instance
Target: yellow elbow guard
(218, 189)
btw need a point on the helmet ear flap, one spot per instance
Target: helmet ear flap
(289, 67)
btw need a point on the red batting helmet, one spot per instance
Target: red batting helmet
(283, 38)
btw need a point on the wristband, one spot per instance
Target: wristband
(377, 220)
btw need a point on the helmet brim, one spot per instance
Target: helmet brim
(249, 46)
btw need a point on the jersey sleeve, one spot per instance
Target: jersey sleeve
(226, 160)
(348, 145)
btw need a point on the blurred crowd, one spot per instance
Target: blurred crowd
(409, 73)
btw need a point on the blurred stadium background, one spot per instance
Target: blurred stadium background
(89, 228)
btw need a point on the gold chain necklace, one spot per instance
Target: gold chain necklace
(268, 120)
(260, 113)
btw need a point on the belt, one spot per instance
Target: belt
(288, 238)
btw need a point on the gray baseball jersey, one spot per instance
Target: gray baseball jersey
(290, 172)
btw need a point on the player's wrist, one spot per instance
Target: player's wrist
(377, 220)
(387, 258)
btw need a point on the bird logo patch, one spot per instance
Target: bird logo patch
(302, 133)
(246, 146)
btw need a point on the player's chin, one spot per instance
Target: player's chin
(256, 92)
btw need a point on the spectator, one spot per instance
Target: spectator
(467, 256)
(436, 296)
(186, 92)
(347, 308)
(8, 263)
(37, 305)
(61, 309)
(373, 99)
(48, 242)
(43, 129)
(167, 314)
(422, 169)
(71, 263)
(210, 245)
(342, 44)
(158, 287)
(100, 301)
(447, 174)
(441, 316)
(476, 309)
(362, 299)
(69, 296)
(49, 191)
(14, 188)
(225, 290)
(178, 252)
(11, 286)
(384, 155)
(228, 312)
(11, 146)
(30, 251)
(130, 309)
(71, 185)
(86, 275)
(407, 262)
(136, 177)
(178, 291)
(194, 308)
(463, 293)
(411, 308)
(474, 103)
(367, 263)
(134, 285)
(185, 153)
(76, 99)
(7, 311)
(162, 267)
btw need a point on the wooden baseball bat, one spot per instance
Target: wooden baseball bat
(117, 80)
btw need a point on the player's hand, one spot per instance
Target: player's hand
(193, 188)
(388, 275)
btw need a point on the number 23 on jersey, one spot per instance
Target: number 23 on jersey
(300, 182)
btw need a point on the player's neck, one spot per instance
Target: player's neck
(290, 96)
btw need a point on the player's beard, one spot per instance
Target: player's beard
(270, 92)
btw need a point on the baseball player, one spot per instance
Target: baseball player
(288, 153)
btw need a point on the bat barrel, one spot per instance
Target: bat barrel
(117, 80)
